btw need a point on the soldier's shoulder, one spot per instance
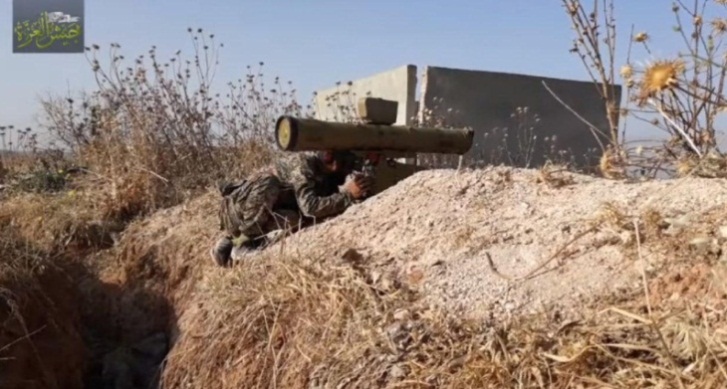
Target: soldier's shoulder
(297, 164)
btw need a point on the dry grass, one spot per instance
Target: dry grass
(302, 323)
(710, 166)
(612, 163)
(630, 228)
(66, 221)
(555, 176)
(88, 298)
(40, 340)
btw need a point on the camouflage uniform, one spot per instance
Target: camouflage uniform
(294, 192)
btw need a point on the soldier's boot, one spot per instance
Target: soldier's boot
(221, 253)
(241, 252)
(243, 246)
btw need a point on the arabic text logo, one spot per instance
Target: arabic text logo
(49, 28)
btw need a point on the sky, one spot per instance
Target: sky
(316, 43)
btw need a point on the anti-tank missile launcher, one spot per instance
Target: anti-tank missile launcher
(376, 139)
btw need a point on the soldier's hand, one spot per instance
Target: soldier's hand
(357, 186)
(364, 182)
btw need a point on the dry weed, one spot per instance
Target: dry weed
(40, 341)
(155, 132)
(681, 95)
(712, 165)
(628, 226)
(595, 45)
(612, 164)
(554, 176)
(295, 323)
(66, 221)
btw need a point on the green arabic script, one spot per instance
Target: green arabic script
(45, 32)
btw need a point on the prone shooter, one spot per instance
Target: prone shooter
(330, 167)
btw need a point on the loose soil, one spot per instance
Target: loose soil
(514, 275)
(505, 241)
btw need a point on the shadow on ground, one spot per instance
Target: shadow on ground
(63, 327)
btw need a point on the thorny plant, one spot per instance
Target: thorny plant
(684, 94)
(598, 61)
(18, 140)
(154, 130)
(595, 45)
(681, 95)
(525, 136)
(434, 117)
(17, 147)
(251, 110)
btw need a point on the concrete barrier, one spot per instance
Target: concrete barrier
(517, 121)
(339, 103)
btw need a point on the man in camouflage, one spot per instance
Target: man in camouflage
(296, 191)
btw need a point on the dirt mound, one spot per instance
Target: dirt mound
(366, 298)
(508, 241)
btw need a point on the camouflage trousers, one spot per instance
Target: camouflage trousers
(248, 212)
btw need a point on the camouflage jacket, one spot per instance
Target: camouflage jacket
(315, 191)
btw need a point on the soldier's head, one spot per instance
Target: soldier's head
(338, 162)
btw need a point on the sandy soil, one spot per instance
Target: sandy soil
(502, 241)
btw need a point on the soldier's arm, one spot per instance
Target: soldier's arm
(312, 205)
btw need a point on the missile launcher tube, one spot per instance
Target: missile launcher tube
(296, 134)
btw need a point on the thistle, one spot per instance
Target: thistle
(661, 75)
(641, 37)
(719, 25)
(627, 72)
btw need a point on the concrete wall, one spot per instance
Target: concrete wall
(485, 101)
(339, 103)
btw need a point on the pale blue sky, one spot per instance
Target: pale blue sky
(315, 43)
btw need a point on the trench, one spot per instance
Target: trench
(84, 330)
(125, 325)
(127, 328)
(127, 333)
